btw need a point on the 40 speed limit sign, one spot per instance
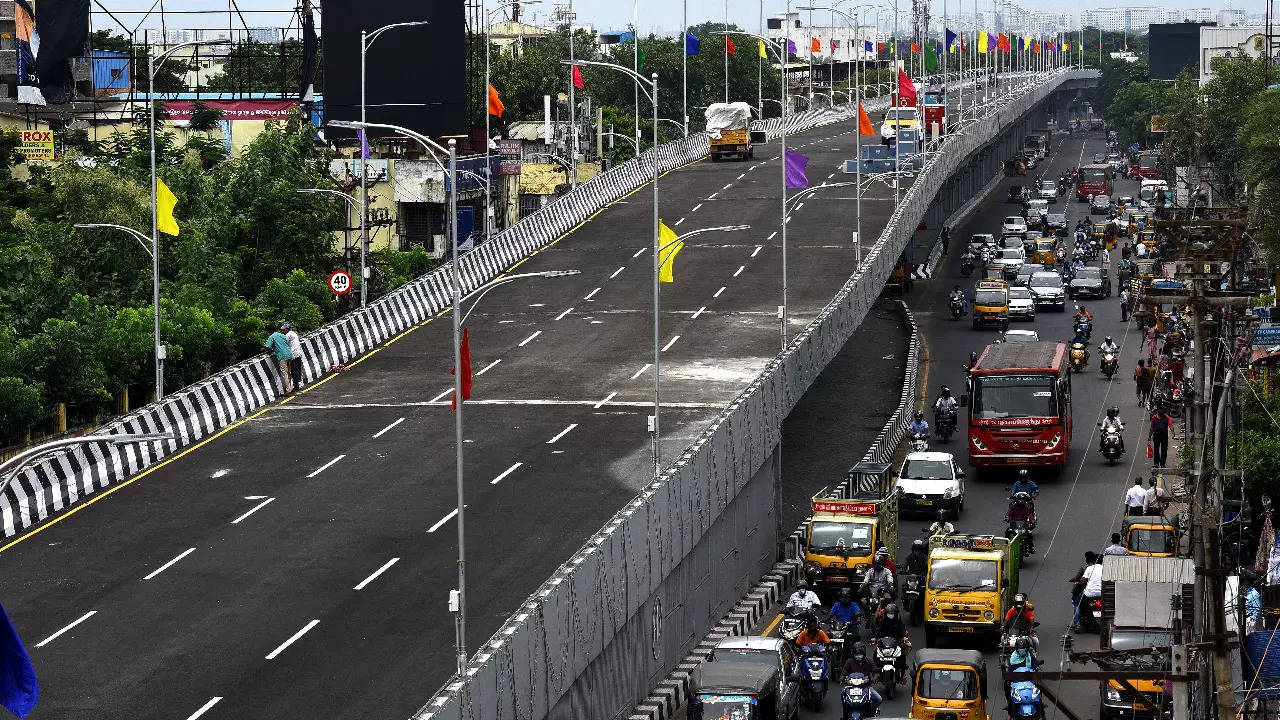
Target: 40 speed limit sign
(340, 282)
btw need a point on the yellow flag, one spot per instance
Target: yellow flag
(166, 201)
(763, 54)
(982, 42)
(667, 256)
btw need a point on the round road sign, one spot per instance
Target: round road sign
(340, 282)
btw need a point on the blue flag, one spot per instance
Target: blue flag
(18, 689)
(869, 46)
(951, 40)
(691, 44)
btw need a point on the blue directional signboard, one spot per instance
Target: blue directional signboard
(1267, 336)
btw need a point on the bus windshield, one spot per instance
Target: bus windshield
(1148, 162)
(1014, 396)
(1092, 176)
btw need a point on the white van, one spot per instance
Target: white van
(1150, 188)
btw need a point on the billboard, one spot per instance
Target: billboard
(36, 144)
(1174, 47)
(47, 35)
(415, 76)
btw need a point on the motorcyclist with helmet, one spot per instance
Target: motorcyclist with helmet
(1111, 423)
(859, 664)
(1023, 654)
(878, 581)
(944, 407)
(845, 610)
(958, 294)
(890, 624)
(918, 426)
(1109, 346)
(812, 634)
(917, 559)
(1020, 618)
(1024, 484)
(803, 599)
(1082, 313)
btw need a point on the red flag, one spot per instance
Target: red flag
(464, 352)
(577, 78)
(1037, 48)
(833, 47)
(1002, 42)
(906, 90)
(495, 102)
(815, 45)
(730, 47)
(864, 122)
(879, 47)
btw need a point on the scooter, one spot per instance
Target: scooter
(912, 598)
(1091, 614)
(793, 624)
(919, 442)
(1109, 364)
(889, 657)
(957, 308)
(815, 676)
(1009, 643)
(1112, 448)
(966, 265)
(946, 424)
(1024, 698)
(856, 701)
(1079, 356)
(1083, 328)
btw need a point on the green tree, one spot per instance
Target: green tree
(253, 66)
(1259, 138)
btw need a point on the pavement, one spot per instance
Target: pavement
(1078, 509)
(298, 564)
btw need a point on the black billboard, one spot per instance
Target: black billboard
(414, 77)
(1174, 47)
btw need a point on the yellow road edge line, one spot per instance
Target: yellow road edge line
(54, 520)
(772, 625)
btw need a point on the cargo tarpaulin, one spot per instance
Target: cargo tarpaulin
(727, 116)
(234, 109)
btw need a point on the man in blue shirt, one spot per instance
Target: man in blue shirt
(918, 426)
(278, 344)
(1024, 484)
(844, 610)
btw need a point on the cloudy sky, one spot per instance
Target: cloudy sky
(661, 16)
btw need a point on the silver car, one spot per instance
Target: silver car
(1046, 288)
(1022, 305)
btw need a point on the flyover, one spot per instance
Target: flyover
(296, 562)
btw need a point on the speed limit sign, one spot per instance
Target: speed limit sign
(340, 282)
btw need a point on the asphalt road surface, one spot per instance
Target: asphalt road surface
(1078, 509)
(298, 564)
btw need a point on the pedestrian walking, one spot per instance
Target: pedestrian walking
(1135, 500)
(295, 349)
(278, 344)
(1142, 382)
(945, 238)
(1157, 497)
(1124, 305)
(1126, 250)
(1158, 436)
(1152, 336)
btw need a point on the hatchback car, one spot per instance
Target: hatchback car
(929, 482)
(1019, 336)
(1057, 224)
(1101, 205)
(1014, 225)
(1022, 306)
(1048, 190)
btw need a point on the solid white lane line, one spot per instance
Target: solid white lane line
(562, 433)
(695, 207)
(252, 510)
(679, 221)
(169, 564)
(505, 473)
(326, 466)
(591, 294)
(718, 293)
(739, 271)
(742, 176)
(376, 573)
(617, 272)
(671, 342)
(641, 370)
(204, 708)
(639, 252)
(529, 339)
(726, 187)
(58, 634)
(566, 312)
(606, 399)
(443, 520)
(695, 315)
(440, 397)
(772, 235)
(757, 250)
(305, 629)
(384, 430)
(488, 367)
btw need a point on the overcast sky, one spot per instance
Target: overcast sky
(661, 16)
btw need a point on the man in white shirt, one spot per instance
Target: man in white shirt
(295, 365)
(803, 599)
(1135, 500)
(1116, 547)
(1092, 579)
(1157, 498)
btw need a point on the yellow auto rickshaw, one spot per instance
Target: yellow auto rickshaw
(949, 684)
(1146, 270)
(1138, 222)
(1045, 252)
(1098, 230)
(1148, 238)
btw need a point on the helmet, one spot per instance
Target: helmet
(1081, 308)
(956, 288)
(1107, 339)
(919, 416)
(878, 561)
(811, 622)
(859, 650)
(846, 593)
(917, 544)
(1020, 599)
(1113, 411)
(1023, 643)
(891, 610)
(946, 391)
(802, 585)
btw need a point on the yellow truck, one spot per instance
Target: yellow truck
(849, 523)
(969, 584)
(728, 131)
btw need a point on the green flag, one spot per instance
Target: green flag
(639, 59)
(930, 58)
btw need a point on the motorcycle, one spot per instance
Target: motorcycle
(1009, 643)
(919, 442)
(1024, 699)
(889, 658)
(1110, 364)
(815, 671)
(793, 624)
(840, 635)
(966, 265)
(946, 424)
(855, 698)
(1028, 537)
(1112, 448)
(1091, 250)
(957, 308)
(1079, 356)
(912, 599)
(1091, 614)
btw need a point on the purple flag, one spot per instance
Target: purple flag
(796, 164)
(364, 144)
(791, 47)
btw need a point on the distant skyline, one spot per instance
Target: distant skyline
(661, 17)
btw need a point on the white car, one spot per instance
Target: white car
(1014, 225)
(1021, 303)
(1019, 336)
(929, 482)
(896, 117)
(1048, 190)
(1011, 259)
(1046, 288)
(1036, 208)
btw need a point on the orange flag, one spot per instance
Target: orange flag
(495, 102)
(816, 45)
(464, 353)
(864, 122)
(730, 47)
(915, 47)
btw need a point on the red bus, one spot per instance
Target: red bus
(1093, 180)
(1149, 165)
(1019, 400)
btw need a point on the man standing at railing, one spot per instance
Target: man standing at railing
(278, 344)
